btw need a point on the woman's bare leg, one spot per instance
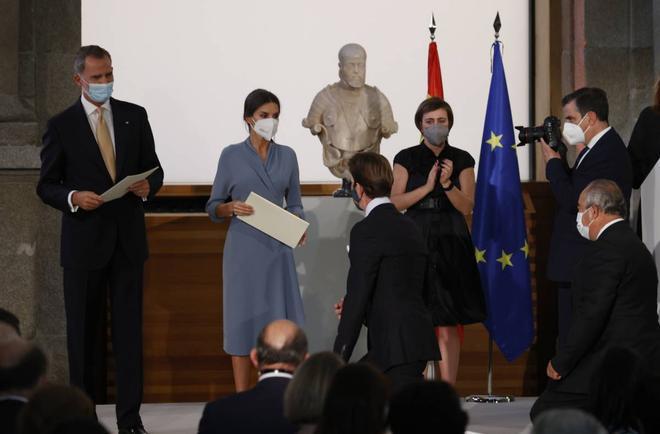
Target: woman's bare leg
(450, 350)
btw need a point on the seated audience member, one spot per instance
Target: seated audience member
(356, 402)
(53, 405)
(86, 425)
(419, 406)
(614, 293)
(9, 325)
(22, 370)
(305, 394)
(617, 383)
(281, 348)
(567, 421)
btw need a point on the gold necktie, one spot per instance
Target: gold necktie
(105, 145)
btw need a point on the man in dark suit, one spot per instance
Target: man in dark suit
(602, 154)
(87, 149)
(614, 293)
(22, 370)
(281, 347)
(385, 280)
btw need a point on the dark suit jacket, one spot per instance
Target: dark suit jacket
(607, 160)
(385, 291)
(258, 410)
(71, 160)
(9, 409)
(614, 305)
(644, 146)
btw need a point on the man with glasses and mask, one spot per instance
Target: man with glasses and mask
(88, 148)
(601, 154)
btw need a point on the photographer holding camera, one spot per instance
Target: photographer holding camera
(585, 113)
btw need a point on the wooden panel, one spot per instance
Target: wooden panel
(175, 190)
(183, 359)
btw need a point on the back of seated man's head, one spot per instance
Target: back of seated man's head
(9, 325)
(425, 404)
(53, 405)
(280, 345)
(567, 421)
(22, 367)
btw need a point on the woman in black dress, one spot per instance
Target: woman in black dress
(435, 183)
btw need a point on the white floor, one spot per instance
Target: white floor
(511, 418)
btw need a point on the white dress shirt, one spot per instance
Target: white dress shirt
(374, 203)
(594, 140)
(93, 118)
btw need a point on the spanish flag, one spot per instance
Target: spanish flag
(434, 74)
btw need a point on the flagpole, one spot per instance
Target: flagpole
(490, 398)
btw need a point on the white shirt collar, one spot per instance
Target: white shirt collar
(275, 374)
(91, 108)
(594, 140)
(607, 226)
(374, 203)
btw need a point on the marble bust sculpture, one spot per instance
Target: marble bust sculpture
(349, 116)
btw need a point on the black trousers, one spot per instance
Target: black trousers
(85, 295)
(564, 312)
(401, 375)
(551, 399)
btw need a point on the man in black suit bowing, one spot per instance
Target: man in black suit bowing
(87, 149)
(602, 155)
(614, 294)
(385, 288)
(281, 348)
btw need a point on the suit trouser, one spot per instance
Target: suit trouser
(551, 399)
(564, 312)
(401, 375)
(85, 294)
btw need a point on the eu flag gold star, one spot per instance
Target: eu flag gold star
(505, 260)
(480, 255)
(494, 141)
(525, 249)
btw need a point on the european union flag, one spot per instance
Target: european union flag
(498, 225)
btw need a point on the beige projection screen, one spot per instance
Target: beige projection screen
(191, 64)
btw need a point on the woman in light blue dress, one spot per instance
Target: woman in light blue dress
(259, 277)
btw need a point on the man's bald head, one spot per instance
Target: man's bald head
(281, 342)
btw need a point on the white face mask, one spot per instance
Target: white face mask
(572, 133)
(266, 128)
(582, 229)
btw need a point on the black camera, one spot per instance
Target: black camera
(550, 131)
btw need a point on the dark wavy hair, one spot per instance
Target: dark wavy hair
(373, 172)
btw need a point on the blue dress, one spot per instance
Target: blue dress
(260, 284)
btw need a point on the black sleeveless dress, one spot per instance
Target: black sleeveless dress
(454, 293)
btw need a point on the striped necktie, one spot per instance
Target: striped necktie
(105, 145)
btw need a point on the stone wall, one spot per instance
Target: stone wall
(38, 39)
(622, 39)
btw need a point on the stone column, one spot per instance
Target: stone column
(38, 39)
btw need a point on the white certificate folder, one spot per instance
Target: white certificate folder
(274, 221)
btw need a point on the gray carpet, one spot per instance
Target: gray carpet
(183, 418)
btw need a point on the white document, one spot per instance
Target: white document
(274, 221)
(121, 188)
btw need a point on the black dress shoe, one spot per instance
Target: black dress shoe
(134, 430)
